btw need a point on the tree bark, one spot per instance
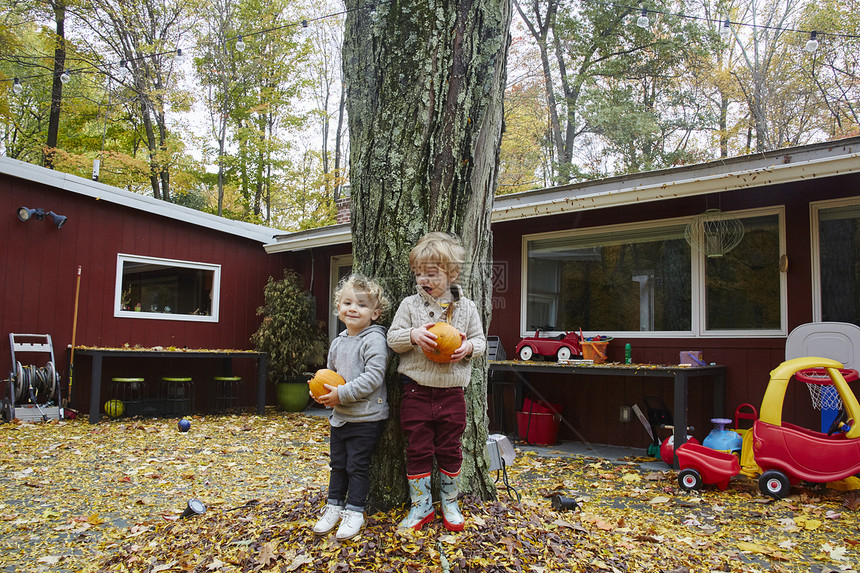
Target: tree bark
(57, 85)
(425, 84)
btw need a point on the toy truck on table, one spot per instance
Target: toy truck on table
(783, 453)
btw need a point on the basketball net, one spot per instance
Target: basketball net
(821, 390)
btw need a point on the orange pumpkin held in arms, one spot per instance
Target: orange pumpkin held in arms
(324, 376)
(448, 340)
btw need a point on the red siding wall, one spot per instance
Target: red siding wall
(592, 404)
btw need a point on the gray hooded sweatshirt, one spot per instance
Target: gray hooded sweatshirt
(361, 360)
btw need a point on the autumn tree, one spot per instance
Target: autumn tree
(145, 36)
(425, 83)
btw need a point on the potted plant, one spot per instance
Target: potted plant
(292, 337)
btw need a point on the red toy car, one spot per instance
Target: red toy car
(781, 452)
(562, 346)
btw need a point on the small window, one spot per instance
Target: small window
(838, 274)
(742, 287)
(165, 289)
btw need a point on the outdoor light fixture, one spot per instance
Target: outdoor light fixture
(812, 43)
(180, 57)
(240, 44)
(59, 220)
(642, 21)
(194, 507)
(16, 86)
(25, 214)
(373, 14)
(726, 30)
(65, 77)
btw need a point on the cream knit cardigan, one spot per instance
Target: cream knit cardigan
(419, 309)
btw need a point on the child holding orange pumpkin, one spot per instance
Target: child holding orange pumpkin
(360, 406)
(433, 409)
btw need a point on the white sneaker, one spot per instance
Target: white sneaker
(330, 516)
(350, 524)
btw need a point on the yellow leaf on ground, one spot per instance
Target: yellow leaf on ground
(752, 547)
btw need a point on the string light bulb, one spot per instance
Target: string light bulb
(65, 77)
(373, 14)
(642, 21)
(240, 44)
(812, 43)
(17, 87)
(180, 57)
(726, 30)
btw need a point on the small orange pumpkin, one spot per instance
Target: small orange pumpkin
(448, 340)
(324, 376)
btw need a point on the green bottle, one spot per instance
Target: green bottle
(628, 354)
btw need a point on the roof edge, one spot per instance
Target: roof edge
(103, 192)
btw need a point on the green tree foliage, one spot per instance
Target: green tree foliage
(524, 148)
(251, 95)
(621, 98)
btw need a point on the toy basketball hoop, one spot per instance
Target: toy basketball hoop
(824, 396)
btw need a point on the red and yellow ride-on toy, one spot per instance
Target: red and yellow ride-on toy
(781, 452)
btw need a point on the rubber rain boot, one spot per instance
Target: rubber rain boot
(421, 511)
(450, 489)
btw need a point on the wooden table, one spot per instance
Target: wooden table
(226, 356)
(680, 375)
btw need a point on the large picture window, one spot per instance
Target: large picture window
(836, 227)
(165, 289)
(647, 279)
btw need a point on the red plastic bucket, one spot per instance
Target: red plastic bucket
(538, 428)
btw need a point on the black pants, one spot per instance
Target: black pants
(352, 445)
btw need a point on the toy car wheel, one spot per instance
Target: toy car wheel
(689, 479)
(526, 353)
(774, 483)
(563, 353)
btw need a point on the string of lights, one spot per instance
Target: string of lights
(643, 21)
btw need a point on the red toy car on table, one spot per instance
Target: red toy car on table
(561, 346)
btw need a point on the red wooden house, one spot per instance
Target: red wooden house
(608, 257)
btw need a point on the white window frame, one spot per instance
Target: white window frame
(119, 312)
(697, 273)
(815, 247)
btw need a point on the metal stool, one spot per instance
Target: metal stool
(229, 391)
(132, 393)
(176, 397)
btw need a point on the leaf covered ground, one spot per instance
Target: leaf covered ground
(107, 497)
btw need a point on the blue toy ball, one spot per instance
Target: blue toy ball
(184, 425)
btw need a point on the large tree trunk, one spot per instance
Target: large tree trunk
(425, 84)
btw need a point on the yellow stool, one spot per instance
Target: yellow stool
(229, 391)
(176, 396)
(132, 393)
